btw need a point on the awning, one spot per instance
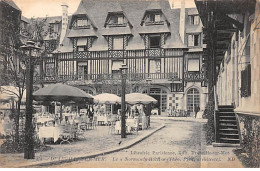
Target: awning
(82, 41)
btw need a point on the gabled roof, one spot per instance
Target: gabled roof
(56, 20)
(193, 11)
(82, 11)
(116, 7)
(12, 4)
(134, 10)
(116, 31)
(154, 29)
(154, 7)
(82, 33)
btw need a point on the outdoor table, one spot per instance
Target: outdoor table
(44, 119)
(49, 132)
(102, 119)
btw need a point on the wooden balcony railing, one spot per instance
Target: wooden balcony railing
(188, 77)
(157, 52)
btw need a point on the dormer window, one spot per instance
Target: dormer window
(194, 19)
(82, 23)
(155, 17)
(116, 20)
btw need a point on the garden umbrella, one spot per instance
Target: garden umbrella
(107, 98)
(139, 98)
(62, 93)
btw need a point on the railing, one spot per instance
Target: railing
(193, 76)
(157, 52)
(131, 77)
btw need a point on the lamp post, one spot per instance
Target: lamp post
(149, 81)
(123, 70)
(29, 130)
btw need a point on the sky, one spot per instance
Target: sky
(41, 8)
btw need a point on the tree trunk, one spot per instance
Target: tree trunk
(17, 118)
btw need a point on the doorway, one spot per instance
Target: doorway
(193, 99)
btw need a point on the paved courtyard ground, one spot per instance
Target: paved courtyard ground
(180, 144)
(96, 140)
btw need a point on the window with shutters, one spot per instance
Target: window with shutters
(193, 40)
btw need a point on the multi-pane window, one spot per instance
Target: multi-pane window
(82, 22)
(154, 41)
(193, 99)
(118, 43)
(193, 40)
(193, 65)
(194, 19)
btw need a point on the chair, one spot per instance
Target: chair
(135, 126)
(111, 128)
(94, 122)
(66, 133)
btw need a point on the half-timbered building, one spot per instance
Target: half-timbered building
(154, 40)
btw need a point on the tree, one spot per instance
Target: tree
(14, 60)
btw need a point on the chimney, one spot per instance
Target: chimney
(182, 21)
(65, 20)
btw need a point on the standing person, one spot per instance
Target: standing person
(91, 112)
(197, 109)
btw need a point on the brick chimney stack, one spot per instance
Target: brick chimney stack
(65, 21)
(182, 21)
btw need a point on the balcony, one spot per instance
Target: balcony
(193, 76)
(98, 78)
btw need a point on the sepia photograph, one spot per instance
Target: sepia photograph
(129, 84)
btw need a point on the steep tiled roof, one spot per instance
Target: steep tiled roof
(116, 31)
(154, 29)
(193, 11)
(98, 10)
(82, 33)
